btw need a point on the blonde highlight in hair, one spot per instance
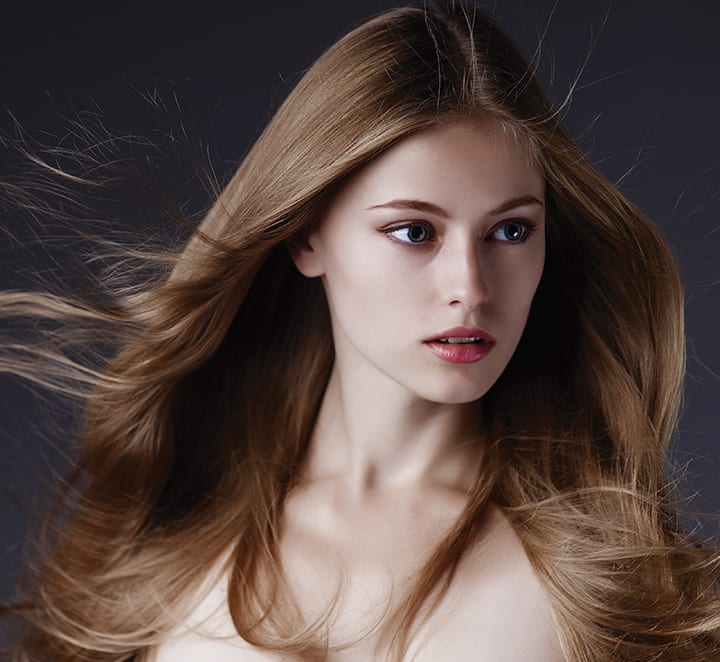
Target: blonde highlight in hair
(196, 428)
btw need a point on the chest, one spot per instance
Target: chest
(361, 560)
(495, 610)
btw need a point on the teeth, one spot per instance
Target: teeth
(458, 341)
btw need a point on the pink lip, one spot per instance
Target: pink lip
(463, 332)
(461, 352)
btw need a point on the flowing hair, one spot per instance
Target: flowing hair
(195, 428)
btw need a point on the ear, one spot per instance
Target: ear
(306, 256)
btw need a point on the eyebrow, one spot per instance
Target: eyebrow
(430, 208)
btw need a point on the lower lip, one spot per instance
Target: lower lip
(460, 352)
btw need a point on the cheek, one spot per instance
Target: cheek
(376, 292)
(362, 271)
(355, 286)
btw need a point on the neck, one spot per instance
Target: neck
(376, 437)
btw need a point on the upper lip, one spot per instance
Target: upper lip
(462, 332)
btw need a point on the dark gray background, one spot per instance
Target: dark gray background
(645, 107)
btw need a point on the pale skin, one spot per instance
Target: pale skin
(443, 230)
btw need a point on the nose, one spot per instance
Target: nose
(467, 284)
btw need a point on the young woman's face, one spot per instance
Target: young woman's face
(430, 256)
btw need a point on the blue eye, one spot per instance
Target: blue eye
(413, 233)
(513, 232)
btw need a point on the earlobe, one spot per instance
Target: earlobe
(305, 256)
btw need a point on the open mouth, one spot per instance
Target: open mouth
(461, 349)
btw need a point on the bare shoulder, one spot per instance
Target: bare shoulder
(208, 633)
(497, 609)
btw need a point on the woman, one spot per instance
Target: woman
(406, 394)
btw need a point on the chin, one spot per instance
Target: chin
(454, 393)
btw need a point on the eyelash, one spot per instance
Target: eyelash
(528, 229)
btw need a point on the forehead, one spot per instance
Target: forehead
(464, 166)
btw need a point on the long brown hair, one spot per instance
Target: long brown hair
(194, 431)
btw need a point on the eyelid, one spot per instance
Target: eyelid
(408, 224)
(530, 228)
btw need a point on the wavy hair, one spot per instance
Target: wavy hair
(194, 430)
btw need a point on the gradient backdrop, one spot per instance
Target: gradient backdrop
(646, 107)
